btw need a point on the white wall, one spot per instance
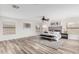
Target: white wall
(20, 30)
(1, 30)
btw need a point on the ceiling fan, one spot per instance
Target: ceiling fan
(15, 6)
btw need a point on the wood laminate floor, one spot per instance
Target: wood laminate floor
(29, 46)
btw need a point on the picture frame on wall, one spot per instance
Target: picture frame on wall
(27, 25)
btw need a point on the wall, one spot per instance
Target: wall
(1, 30)
(64, 23)
(20, 30)
(73, 33)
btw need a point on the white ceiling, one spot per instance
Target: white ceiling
(28, 11)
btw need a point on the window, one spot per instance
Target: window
(73, 28)
(9, 29)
